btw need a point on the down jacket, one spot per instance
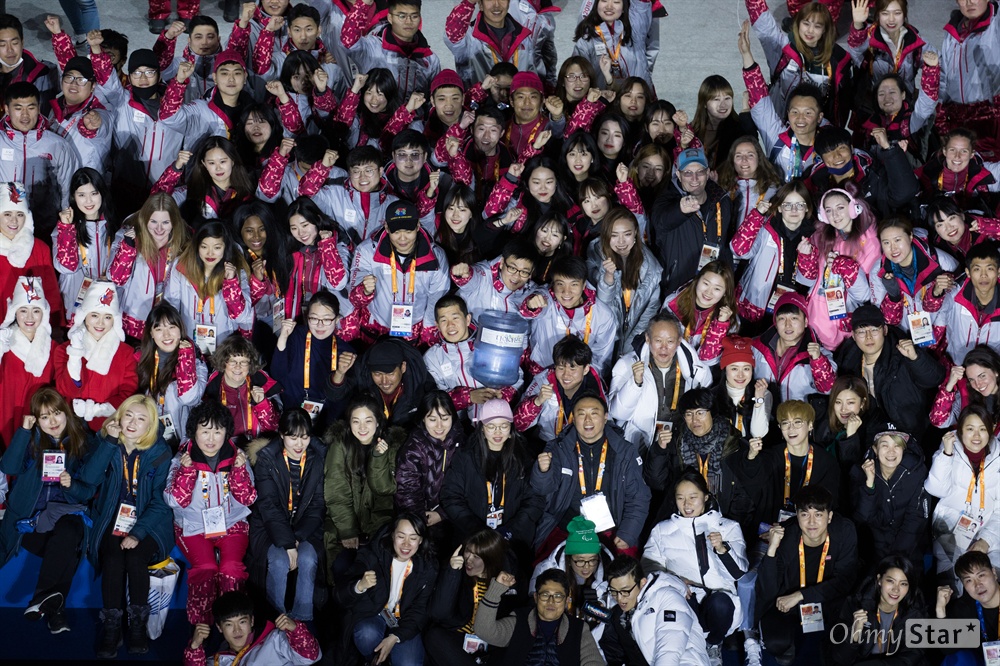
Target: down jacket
(421, 466)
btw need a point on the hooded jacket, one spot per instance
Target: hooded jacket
(592, 321)
(137, 282)
(229, 310)
(183, 393)
(76, 263)
(484, 289)
(969, 61)
(761, 242)
(631, 57)
(627, 494)
(930, 263)
(45, 162)
(873, 53)
(961, 321)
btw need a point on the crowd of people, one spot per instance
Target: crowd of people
(292, 305)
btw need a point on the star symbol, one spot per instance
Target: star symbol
(970, 627)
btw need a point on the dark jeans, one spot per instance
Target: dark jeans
(783, 640)
(60, 553)
(119, 563)
(715, 612)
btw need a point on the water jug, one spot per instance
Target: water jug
(500, 341)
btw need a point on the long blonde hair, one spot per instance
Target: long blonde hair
(146, 403)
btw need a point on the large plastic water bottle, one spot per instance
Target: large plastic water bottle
(499, 343)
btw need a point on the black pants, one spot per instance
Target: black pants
(118, 563)
(443, 647)
(781, 634)
(60, 553)
(715, 613)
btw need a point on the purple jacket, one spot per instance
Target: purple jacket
(420, 469)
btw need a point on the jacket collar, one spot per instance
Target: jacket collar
(953, 25)
(423, 253)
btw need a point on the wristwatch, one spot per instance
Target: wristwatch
(758, 401)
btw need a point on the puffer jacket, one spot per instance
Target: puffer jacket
(191, 490)
(970, 62)
(674, 545)
(800, 376)
(891, 516)
(930, 263)
(68, 258)
(679, 641)
(593, 322)
(475, 52)
(421, 466)
(644, 301)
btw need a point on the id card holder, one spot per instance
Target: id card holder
(966, 530)
(784, 515)
(313, 408)
(277, 315)
(779, 291)
(158, 293)
(473, 644)
(204, 337)
(53, 465)
(83, 292)
(595, 509)
(812, 618)
(663, 425)
(168, 427)
(991, 653)
(124, 520)
(494, 519)
(389, 619)
(214, 519)
(709, 253)
(401, 325)
(836, 303)
(921, 331)
(600, 50)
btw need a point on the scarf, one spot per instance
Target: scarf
(19, 250)
(709, 445)
(33, 353)
(99, 354)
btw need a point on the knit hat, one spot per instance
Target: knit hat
(790, 298)
(447, 77)
(691, 156)
(14, 197)
(227, 56)
(526, 80)
(102, 297)
(735, 349)
(82, 65)
(582, 539)
(385, 356)
(33, 353)
(495, 409)
(402, 215)
(142, 58)
(867, 315)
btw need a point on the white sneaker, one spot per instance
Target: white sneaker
(715, 655)
(752, 648)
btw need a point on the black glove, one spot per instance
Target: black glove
(892, 290)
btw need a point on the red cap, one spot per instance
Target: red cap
(228, 55)
(447, 77)
(735, 349)
(526, 80)
(791, 298)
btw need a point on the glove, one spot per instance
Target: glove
(102, 410)
(892, 290)
(74, 364)
(80, 407)
(505, 532)
(5, 335)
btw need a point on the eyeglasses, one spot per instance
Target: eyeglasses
(573, 78)
(695, 413)
(145, 73)
(867, 332)
(622, 594)
(364, 171)
(517, 271)
(793, 206)
(497, 427)
(415, 156)
(70, 79)
(551, 596)
(694, 175)
(317, 321)
(588, 563)
(235, 363)
(406, 17)
(797, 424)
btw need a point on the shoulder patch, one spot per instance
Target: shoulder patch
(638, 460)
(669, 616)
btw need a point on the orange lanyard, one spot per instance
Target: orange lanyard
(600, 468)
(413, 275)
(788, 474)
(493, 53)
(739, 421)
(618, 47)
(982, 490)
(83, 249)
(878, 634)
(718, 223)
(586, 325)
(133, 483)
(305, 370)
(249, 404)
(399, 596)
(239, 655)
(302, 469)
(703, 465)
(201, 308)
(491, 493)
(704, 329)
(627, 297)
(561, 420)
(531, 135)
(802, 562)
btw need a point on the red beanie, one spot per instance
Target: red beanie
(227, 56)
(526, 80)
(791, 298)
(735, 349)
(447, 77)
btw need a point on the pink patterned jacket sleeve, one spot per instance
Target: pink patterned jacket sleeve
(457, 23)
(628, 196)
(753, 79)
(62, 45)
(809, 264)
(185, 373)
(711, 344)
(240, 482)
(291, 119)
(943, 403)
(747, 233)
(314, 179)
(239, 39)
(333, 265)
(441, 147)
(398, 122)
(933, 303)
(988, 226)
(461, 169)
(823, 373)
(325, 101)
(526, 414)
(164, 50)
(194, 656)
(499, 197)
(755, 8)
(461, 397)
(85, 131)
(173, 99)
(358, 297)
(846, 268)
(348, 108)
(425, 204)
(274, 170)
(349, 327)
(583, 116)
(930, 81)
(67, 250)
(476, 95)
(168, 181)
(258, 289)
(355, 23)
(233, 296)
(103, 69)
(263, 52)
(303, 642)
(123, 263)
(892, 310)
(183, 487)
(856, 38)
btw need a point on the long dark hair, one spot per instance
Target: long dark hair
(584, 140)
(512, 461)
(464, 251)
(587, 28)
(357, 454)
(630, 266)
(295, 61)
(88, 176)
(192, 267)
(275, 250)
(868, 590)
(308, 209)
(162, 313)
(74, 437)
(200, 182)
(426, 549)
(438, 401)
(267, 114)
(560, 201)
(986, 357)
(382, 79)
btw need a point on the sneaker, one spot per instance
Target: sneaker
(57, 622)
(79, 41)
(752, 649)
(156, 26)
(715, 655)
(50, 604)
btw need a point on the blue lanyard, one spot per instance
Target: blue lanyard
(982, 622)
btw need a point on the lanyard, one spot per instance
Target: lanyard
(402, 582)
(204, 487)
(97, 244)
(822, 562)
(531, 136)
(703, 465)
(627, 297)
(689, 330)
(600, 468)
(302, 469)
(201, 308)
(561, 420)
(586, 325)
(788, 473)
(982, 621)
(133, 483)
(491, 493)
(982, 490)
(964, 185)
(739, 421)
(239, 655)
(249, 406)
(618, 47)
(305, 370)
(413, 275)
(878, 634)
